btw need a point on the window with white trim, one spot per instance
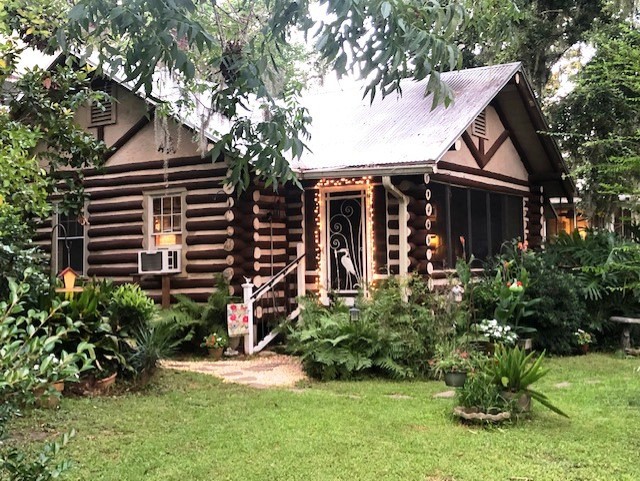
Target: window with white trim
(70, 243)
(166, 221)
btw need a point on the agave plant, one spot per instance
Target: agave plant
(515, 371)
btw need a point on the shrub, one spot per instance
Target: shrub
(331, 346)
(24, 264)
(553, 302)
(88, 312)
(28, 360)
(195, 320)
(31, 354)
(606, 270)
(480, 392)
(152, 342)
(130, 308)
(392, 337)
(560, 311)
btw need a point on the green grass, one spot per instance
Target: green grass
(192, 427)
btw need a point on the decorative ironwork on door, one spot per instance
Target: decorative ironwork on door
(346, 241)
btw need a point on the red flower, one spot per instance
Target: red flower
(232, 317)
(519, 283)
(245, 319)
(233, 307)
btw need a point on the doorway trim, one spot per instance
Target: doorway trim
(326, 188)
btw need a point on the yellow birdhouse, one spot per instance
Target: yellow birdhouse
(69, 277)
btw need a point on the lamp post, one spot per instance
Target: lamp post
(354, 313)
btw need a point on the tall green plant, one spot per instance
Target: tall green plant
(515, 371)
(606, 269)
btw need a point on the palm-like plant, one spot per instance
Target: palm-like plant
(515, 371)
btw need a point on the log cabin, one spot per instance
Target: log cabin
(388, 188)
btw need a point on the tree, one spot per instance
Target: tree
(42, 150)
(599, 123)
(538, 33)
(241, 40)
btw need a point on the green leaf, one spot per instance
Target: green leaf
(385, 9)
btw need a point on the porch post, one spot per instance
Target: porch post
(403, 223)
(301, 277)
(247, 289)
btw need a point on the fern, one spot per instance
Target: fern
(391, 338)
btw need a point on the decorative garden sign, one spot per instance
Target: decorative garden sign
(237, 320)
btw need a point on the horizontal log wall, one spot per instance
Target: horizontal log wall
(115, 233)
(393, 233)
(416, 188)
(268, 227)
(534, 213)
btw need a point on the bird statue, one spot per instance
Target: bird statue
(347, 263)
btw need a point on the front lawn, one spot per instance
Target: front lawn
(192, 427)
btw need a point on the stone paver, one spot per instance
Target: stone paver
(563, 385)
(445, 395)
(261, 372)
(398, 396)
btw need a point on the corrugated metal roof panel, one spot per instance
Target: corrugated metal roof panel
(347, 131)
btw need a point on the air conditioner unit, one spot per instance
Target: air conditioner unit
(162, 261)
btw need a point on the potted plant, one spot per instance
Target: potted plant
(515, 371)
(215, 343)
(584, 338)
(496, 333)
(453, 363)
(480, 400)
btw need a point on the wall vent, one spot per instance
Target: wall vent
(479, 128)
(105, 113)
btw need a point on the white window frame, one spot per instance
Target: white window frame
(149, 235)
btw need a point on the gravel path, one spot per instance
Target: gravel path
(263, 371)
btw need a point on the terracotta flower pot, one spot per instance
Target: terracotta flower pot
(216, 353)
(102, 385)
(455, 379)
(46, 400)
(584, 348)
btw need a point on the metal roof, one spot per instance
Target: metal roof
(347, 131)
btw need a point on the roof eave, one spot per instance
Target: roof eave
(419, 167)
(526, 88)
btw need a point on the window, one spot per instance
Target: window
(166, 221)
(473, 222)
(459, 222)
(480, 232)
(105, 112)
(437, 224)
(70, 243)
